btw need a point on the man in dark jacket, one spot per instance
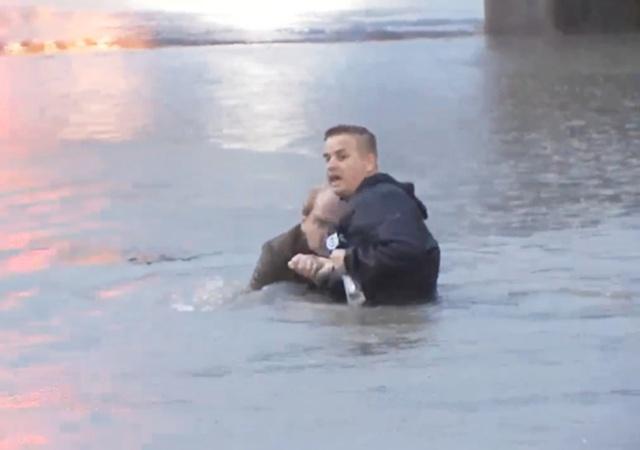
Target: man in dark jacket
(320, 214)
(385, 245)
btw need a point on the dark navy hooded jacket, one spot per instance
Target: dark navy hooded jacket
(389, 249)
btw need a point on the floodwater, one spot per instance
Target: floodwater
(136, 188)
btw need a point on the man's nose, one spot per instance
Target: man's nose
(331, 163)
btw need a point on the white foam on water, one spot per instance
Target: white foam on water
(182, 307)
(210, 295)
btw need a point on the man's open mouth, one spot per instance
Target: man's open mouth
(333, 178)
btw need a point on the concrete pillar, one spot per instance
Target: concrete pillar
(597, 15)
(540, 16)
(518, 16)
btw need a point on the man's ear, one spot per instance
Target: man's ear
(372, 162)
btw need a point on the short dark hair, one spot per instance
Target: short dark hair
(355, 130)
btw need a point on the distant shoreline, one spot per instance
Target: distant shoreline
(60, 31)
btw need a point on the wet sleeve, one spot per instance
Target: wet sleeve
(332, 285)
(396, 243)
(267, 270)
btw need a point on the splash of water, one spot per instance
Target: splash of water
(213, 294)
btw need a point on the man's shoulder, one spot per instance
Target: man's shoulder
(276, 253)
(384, 192)
(291, 240)
(385, 197)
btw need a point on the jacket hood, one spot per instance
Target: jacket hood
(380, 178)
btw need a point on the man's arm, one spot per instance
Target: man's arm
(267, 270)
(312, 267)
(272, 264)
(397, 241)
(321, 272)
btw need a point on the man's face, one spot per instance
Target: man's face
(346, 164)
(321, 220)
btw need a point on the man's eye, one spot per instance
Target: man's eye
(323, 223)
(341, 157)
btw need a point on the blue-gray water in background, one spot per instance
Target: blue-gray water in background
(407, 19)
(136, 188)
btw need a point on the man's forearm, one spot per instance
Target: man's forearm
(375, 260)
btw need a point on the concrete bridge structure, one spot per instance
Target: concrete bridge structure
(568, 16)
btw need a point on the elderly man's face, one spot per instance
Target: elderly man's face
(322, 218)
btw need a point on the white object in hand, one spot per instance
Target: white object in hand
(355, 296)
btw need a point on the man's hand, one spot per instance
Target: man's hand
(337, 258)
(311, 267)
